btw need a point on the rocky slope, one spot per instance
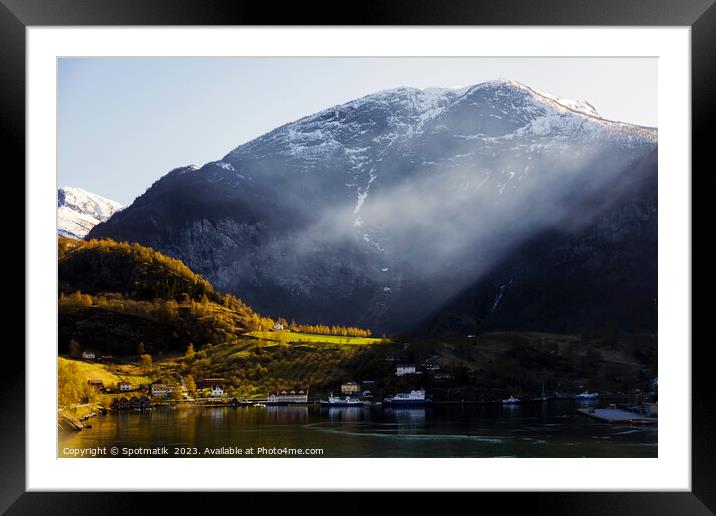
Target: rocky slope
(385, 211)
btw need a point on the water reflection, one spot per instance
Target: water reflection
(217, 414)
(552, 429)
(586, 401)
(413, 415)
(287, 413)
(344, 413)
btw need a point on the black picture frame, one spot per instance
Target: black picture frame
(699, 15)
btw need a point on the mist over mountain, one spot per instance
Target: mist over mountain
(433, 209)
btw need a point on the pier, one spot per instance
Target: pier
(616, 415)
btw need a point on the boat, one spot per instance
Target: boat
(259, 405)
(511, 401)
(337, 401)
(586, 395)
(412, 398)
(542, 397)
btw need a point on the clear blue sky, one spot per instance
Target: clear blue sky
(125, 122)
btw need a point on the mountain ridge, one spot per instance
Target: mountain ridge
(340, 215)
(458, 93)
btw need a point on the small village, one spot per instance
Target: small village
(214, 391)
(638, 408)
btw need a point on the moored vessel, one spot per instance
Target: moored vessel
(586, 395)
(412, 398)
(337, 401)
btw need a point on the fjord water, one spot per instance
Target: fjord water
(550, 429)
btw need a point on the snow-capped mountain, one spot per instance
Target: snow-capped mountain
(78, 211)
(382, 210)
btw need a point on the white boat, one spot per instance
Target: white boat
(586, 395)
(511, 401)
(408, 398)
(337, 401)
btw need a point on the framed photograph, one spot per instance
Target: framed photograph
(437, 249)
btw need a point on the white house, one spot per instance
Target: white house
(278, 327)
(286, 397)
(124, 386)
(404, 369)
(216, 390)
(216, 386)
(88, 355)
(160, 390)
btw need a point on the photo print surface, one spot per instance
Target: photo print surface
(357, 257)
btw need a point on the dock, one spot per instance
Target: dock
(616, 415)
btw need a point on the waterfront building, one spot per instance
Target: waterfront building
(287, 397)
(216, 390)
(404, 369)
(161, 390)
(124, 386)
(350, 388)
(215, 385)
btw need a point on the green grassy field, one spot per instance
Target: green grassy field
(295, 337)
(110, 374)
(267, 366)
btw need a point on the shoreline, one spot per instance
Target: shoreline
(67, 421)
(232, 402)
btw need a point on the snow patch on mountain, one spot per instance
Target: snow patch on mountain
(404, 112)
(78, 211)
(570, 116)
(404, 109)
